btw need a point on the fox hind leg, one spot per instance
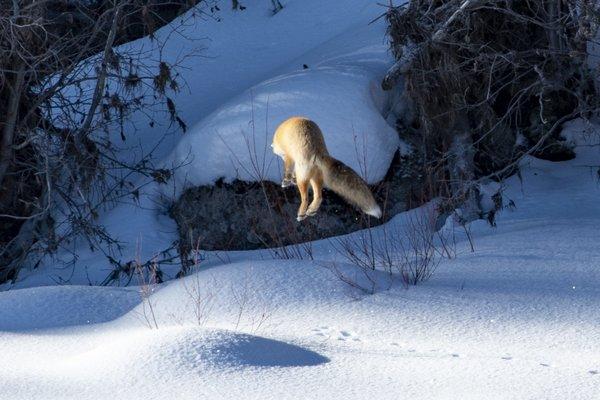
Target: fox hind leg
(303, 189)
(317, 187)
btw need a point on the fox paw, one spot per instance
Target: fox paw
(311, 213)
(301, 217)
(287, 183)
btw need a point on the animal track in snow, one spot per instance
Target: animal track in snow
(348, 336)
(322, 331)
(342, 335)
(431, 353)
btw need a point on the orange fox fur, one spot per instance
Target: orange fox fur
(299, 142)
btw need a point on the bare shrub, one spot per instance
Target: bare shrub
(479, 73)
(294, 251)
(416, 248)
(359, 250)
(148, 278)
(123, 272)
(246, 295)
(66, 89)
(410, 249)
(202, 301)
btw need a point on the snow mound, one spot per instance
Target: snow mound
(248, 294)
(236, 349)
(234, 141)
(186, 349)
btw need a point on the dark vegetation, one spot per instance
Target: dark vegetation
(489, 82)
(53, 159)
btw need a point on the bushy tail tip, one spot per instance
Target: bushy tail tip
(374, 212)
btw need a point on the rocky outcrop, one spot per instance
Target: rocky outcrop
(251, 215)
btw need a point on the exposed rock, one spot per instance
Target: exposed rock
(250, 215)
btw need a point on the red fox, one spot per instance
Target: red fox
(300, 143)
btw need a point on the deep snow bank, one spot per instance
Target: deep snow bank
(234, 141)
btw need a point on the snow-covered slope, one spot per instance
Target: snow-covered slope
(221, 56)
(516, 319)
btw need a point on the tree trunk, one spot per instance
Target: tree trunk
(10, 124)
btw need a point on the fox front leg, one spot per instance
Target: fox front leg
(289, 177)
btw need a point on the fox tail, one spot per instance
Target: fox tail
(340, 178)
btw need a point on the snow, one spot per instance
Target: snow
(223, 55)
(516, 319)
